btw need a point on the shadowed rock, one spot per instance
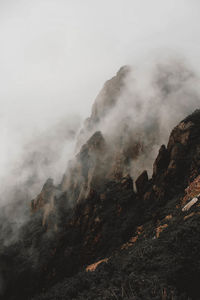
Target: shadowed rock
(141, 182)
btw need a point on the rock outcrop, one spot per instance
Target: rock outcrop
(104, 103)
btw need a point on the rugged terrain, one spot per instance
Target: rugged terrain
(109, 230)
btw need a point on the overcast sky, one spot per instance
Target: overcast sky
(55, 55)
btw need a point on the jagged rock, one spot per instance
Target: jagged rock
(44, 196)
(179, 163)
(87, 170)
(141, 182)
(161, 162)
(105, 101)
(45, 202)
(108, 96)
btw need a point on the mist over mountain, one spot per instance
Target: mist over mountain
(41, 157)
(100, 150)
(119, 203)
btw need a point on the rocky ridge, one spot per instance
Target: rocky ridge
(95, 236)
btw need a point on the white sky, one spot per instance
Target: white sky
(55, 55)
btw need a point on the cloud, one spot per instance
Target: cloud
(154, 98)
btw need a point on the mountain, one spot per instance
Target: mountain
(111, 229)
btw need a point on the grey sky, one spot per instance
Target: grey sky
(55, 55)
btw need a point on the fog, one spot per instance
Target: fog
(55, 56)
(136, 111)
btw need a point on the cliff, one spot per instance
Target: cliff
(105, 233)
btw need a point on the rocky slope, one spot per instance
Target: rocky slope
(142, 245)
(95, 235)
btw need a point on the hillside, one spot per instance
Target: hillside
(118, 226)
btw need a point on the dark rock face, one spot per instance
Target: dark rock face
(149, 248)
(139, 244)
(161, 162)
(141, 182)
(177, 164)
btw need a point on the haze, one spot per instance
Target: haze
(55, 56)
